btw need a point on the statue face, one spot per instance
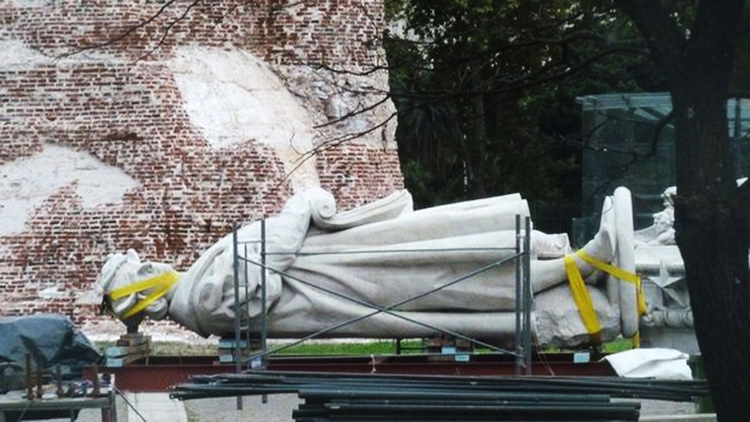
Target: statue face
(663, 221)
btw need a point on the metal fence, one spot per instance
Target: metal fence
(555, 215)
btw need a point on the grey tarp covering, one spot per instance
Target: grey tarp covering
(50, 339)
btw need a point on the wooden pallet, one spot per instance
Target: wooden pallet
(128, 349)
(449, 349)
(227, 349)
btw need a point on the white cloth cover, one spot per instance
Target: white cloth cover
(657, 363)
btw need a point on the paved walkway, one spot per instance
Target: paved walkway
(154, 407)
(157, 407)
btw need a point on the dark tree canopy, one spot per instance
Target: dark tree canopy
(482, 87)
(485, 85)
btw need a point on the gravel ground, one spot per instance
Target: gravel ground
(278, 409)
(280, 406)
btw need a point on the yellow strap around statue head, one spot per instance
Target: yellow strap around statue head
(161, 283)
(583, 300)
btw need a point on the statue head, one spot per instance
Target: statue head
(668, 197)
(664, 220)
(123, 270)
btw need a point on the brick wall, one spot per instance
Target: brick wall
(120, 103)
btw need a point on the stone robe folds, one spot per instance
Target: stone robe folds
(382, 254)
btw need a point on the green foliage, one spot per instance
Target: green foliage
(740, 82)
(483, 86)
(619, 345)
(376, 347)
(170, 348)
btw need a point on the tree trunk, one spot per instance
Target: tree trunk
(712, 233)
(711, 213)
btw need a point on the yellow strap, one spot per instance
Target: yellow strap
(608, 268)
(620, 274)
(583, 300)
(163, 282)
(146, 284)
(157, 294)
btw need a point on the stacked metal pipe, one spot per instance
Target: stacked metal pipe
(339, 397)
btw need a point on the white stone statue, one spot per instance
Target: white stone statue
(381, 254)
(668, 321)
(662, 231)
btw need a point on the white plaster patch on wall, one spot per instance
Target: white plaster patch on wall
(15, 54)
(28, 3)
(233, 97)
(25, 183)
(51, 293)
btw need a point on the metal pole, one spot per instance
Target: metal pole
(236, 350)
(394, 251)
(246, 314)
(737, 138)
(263, 322)
(519, 347)
(527, 296)
(29, 379)
(264, 297)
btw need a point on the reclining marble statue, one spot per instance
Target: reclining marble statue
(381, 253)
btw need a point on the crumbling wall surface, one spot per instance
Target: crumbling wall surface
(156, 125)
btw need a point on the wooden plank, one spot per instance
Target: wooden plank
(226, 358)
(129, 348)
(225, 343)
(118, 351)
(132, 340)
(122, 361)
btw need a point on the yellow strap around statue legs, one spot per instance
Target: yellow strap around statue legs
(583, 300)
(623, 275)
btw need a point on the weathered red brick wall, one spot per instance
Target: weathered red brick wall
(130, 114)
(280, 31)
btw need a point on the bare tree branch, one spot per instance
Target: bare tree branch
(355, 113)
(536, 78)
(631, 45)
(120, 37)
(330, 144)
(662, 33)
(168, 28)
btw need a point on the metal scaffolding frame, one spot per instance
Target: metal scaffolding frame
(521, 258)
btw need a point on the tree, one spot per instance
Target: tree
(694, 47)
(695, 50)
(482, 86)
